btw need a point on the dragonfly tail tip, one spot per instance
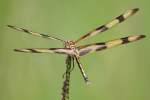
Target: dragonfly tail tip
(88, 82)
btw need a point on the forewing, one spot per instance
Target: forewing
(112, 23)
(34, 33)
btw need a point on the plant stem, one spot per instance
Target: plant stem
(66, 83)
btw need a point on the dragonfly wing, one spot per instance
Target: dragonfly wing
(35, 33)
(83, 50)
(47, 50)
(112, 23)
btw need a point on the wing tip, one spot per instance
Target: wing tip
(21, 50)
(135, 10)
(10, 26)
(17, 50)
(142, 36)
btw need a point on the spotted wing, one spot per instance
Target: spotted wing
(112, 23)
(83, 50)
(46, 50)
(35, 33)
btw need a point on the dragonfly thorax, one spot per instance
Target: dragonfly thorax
(70, 44)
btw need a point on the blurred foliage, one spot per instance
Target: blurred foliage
(121, 73)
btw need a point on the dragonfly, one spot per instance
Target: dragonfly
(71, 48)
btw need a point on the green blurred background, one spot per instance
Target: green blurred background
(121, 73)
